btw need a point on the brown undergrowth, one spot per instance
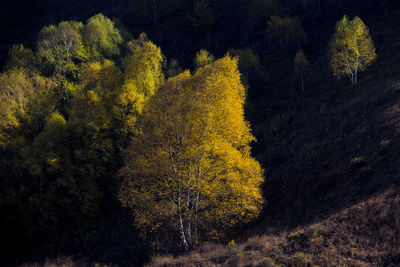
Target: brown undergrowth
(365, 234)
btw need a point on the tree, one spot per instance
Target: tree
(203, 58)
(61, 48)
(142, 77)
(20, 57)
(101, 37)
(351, 49)
(287, 30)
(249, 64)
(189, 166)
(15, 91)
(301, 66)
(91, 122)
(172, 68)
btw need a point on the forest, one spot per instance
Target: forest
(200, 133)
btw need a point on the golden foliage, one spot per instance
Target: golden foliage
(189, 166)
(142, 77)
(351, 48)
(15, 91)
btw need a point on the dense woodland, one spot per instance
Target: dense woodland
(131, 129)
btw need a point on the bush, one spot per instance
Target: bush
(300, 259)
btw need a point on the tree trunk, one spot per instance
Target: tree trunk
(182, 228)
(356, 71)
(183, 235)
(351, 75)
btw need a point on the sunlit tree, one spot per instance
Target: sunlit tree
(189, 167)
(351, 49)
(61, 48)
(203, 58)
(16, 90)
(143, 75)
(101, 37)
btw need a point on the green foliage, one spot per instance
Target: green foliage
(249, 62)
(49, 147)
(46, 159)
(58, 132)
(142, 77)
(351, 48)
(15, 91)
(101, 37)
(91, 122)
(60, 48)
(203, 58)
(20, 57)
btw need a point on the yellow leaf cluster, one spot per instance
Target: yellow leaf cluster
(351, 48)
(189, 166)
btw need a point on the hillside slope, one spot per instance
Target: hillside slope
(365, 234)
(336, 144)
(331, 156)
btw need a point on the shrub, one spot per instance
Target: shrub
(300, 259)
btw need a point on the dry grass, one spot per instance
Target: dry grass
(67, 262)
(60, 262)
(366, 234)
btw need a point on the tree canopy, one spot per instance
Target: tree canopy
(101, 37)
(189, 167)
(351, 48)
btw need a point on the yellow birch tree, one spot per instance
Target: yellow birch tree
(189, 167)
(352, 49)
